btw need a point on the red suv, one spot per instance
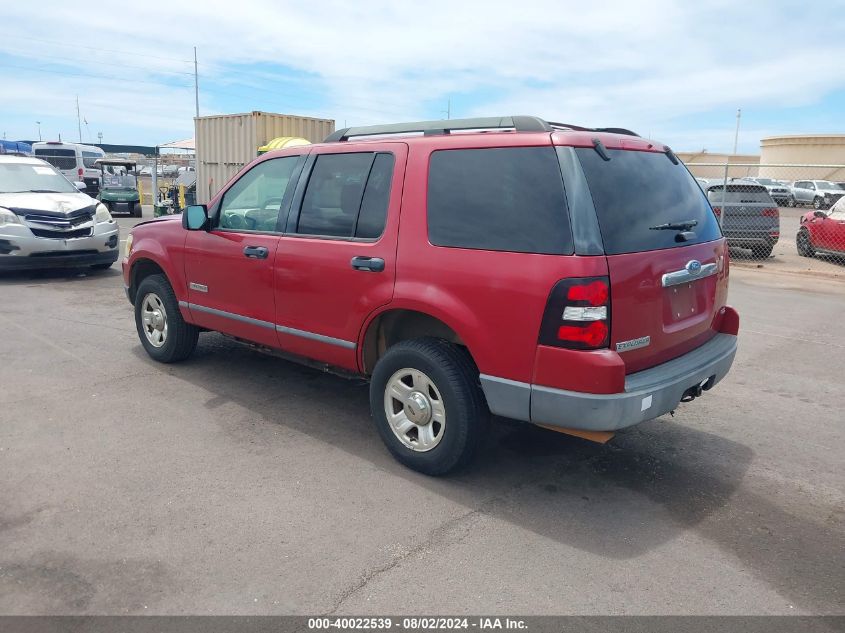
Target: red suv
(568, 277)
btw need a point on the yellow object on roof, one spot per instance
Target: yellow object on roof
(282, 142)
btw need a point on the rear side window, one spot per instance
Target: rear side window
(635, 191)
(58, 158)
(499, 199)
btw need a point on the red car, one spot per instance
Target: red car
(822, 232)
(568, 277)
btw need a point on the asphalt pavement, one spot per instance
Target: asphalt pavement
(238, 483)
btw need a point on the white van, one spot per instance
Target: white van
(74, 160)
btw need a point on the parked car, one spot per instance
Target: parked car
(779, 192)
(46, 222)
(146, 170)
(74, 160)
(575, 279)
(822, 232)
(170, 170)
(750, 218)
(822, 194)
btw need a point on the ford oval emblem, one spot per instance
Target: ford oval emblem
(693, 267)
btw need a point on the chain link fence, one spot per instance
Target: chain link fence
(789, 215)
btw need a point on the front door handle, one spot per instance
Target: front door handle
(256, 252)
(371, 264)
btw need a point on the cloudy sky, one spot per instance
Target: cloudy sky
(674, 70)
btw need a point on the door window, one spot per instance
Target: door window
(347, 196)
(254, 201)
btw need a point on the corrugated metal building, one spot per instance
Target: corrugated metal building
(226, 143)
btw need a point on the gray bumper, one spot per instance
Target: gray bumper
(20, 249)
(648, 394)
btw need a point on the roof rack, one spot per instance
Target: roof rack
(447, 126)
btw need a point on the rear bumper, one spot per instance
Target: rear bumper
(648, 394)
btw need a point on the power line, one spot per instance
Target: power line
(94, 76)
(94, 48)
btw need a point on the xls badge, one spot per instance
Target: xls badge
(634, 343)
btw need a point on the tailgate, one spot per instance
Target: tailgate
(660, 310)
(666, 256)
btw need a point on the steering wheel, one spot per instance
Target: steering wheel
(273, 203)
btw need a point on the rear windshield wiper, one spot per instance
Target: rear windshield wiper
(675, 226)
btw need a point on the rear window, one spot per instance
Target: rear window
(58, 158)
(499, 199)
(88, 159)
(739, 194)
(635, 191)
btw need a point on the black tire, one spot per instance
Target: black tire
(761, 252)
(818, 203)
(455, 377)
(790, 202)
(181, 338)
(135, 209)
(104, 266)
(804, 244)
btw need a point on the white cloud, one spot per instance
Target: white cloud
(639, 64)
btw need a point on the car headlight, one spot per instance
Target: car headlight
(7, 217)
(128, 245)
(102, 215)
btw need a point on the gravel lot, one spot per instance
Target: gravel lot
(237, 483)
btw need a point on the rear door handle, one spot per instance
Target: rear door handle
(256, 252)
(371, 264)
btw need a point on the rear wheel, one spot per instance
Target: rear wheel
(761, 252)
(428, 405)
(165, 335)
(804, 244)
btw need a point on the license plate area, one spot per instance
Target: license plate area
(684, 302)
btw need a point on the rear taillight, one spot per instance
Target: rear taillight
(80, 171)
(717, 211)
(771, 213)
(578, 314)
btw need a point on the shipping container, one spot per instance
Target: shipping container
(225, 143)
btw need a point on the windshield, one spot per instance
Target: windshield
(22, 177)
(58, 158)
(826, 184)
(117, 178)
(741, 194)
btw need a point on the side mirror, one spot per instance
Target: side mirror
(195, 217)
(81, 186)
(820, 214)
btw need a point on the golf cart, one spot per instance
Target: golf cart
(120, 184)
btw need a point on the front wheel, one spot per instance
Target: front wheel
(135, 209)
(428, 406)
(804, 244)
(818, 204)
(165, 335)
(790, 202)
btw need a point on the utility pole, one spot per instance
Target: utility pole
(100, 137)
(736, 134)
(448, 109)
(78, 120)
(196, 84)
(38, 123)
